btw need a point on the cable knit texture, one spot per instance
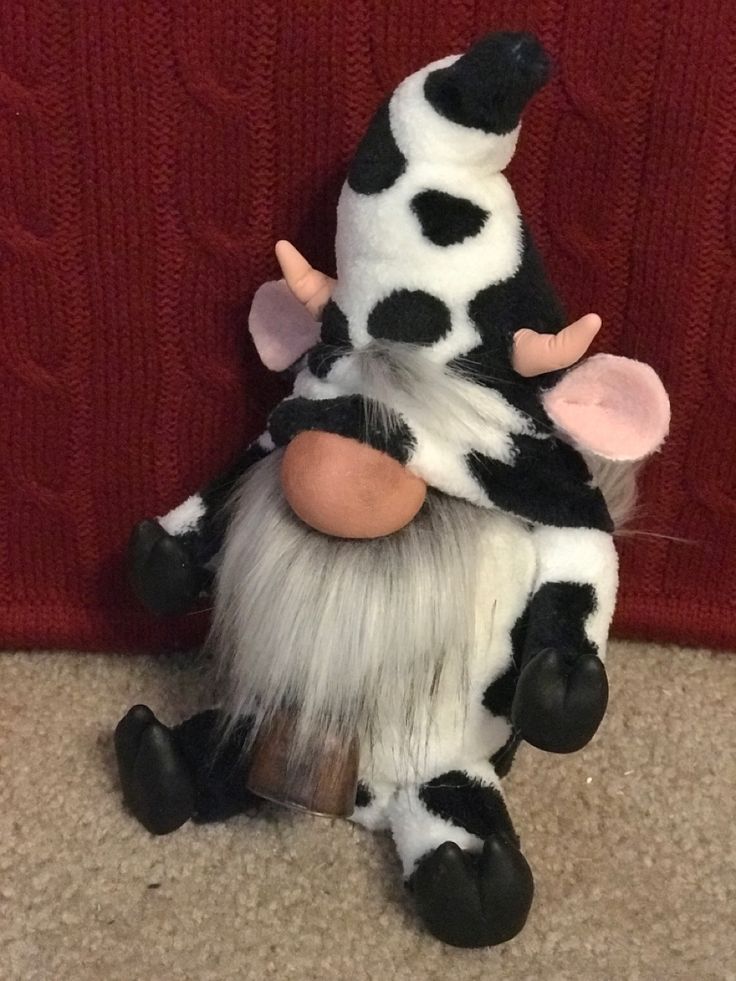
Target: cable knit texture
(152, 152)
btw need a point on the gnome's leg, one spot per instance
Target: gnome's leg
(562, 691)
(472, 885)
(170, 558)
(170, 775)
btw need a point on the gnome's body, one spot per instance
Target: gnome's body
(480, 623)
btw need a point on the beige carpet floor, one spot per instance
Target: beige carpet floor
(633, 844)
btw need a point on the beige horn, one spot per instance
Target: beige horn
(309, 286)
(535, 354)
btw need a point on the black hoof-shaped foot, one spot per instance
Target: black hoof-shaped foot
(157, 785)
(469, 900)
(162, 573)
(560, 701)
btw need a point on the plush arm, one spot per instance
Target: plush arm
(198, 521)
(170, 559)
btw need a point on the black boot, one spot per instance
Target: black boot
(192, 770)
(157, 782)
(470, 900)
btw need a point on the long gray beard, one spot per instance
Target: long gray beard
(359, 636)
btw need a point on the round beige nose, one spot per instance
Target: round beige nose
(347, 489)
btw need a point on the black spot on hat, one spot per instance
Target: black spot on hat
(410, 316)
(378, 163)
(525, 299)
(446, 219)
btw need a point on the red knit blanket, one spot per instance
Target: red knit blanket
(151, 153)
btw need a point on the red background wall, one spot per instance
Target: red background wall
(151, 153)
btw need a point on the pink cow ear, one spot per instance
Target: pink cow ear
(613, 407)
(282, 328)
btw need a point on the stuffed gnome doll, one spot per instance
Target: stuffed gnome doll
(417, 554)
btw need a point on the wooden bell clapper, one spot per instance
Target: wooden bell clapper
(346, 489)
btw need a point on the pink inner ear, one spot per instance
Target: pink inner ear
(281, 327)
(614, 407)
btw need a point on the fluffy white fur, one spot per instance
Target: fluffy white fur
(185, 517)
